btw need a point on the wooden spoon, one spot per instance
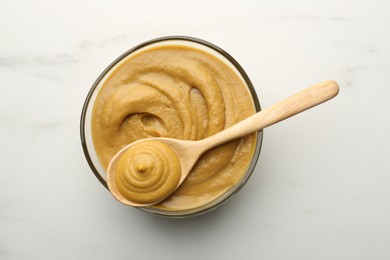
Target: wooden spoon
(188, 152)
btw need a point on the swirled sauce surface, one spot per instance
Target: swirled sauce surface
(179, 92)
(147, 172)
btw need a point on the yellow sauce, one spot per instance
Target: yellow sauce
(179, 92)
(147, 172)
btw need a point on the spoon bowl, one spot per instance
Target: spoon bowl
(188, 152)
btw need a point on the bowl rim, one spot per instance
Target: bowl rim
(259, 136)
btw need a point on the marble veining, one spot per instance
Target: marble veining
(39, 60)
(103, 43)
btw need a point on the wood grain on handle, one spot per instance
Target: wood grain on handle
(290, 106)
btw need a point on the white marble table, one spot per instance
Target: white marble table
(321, 189)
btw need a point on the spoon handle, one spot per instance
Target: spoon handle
(286, 108)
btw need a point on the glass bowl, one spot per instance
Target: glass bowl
(86, 117)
